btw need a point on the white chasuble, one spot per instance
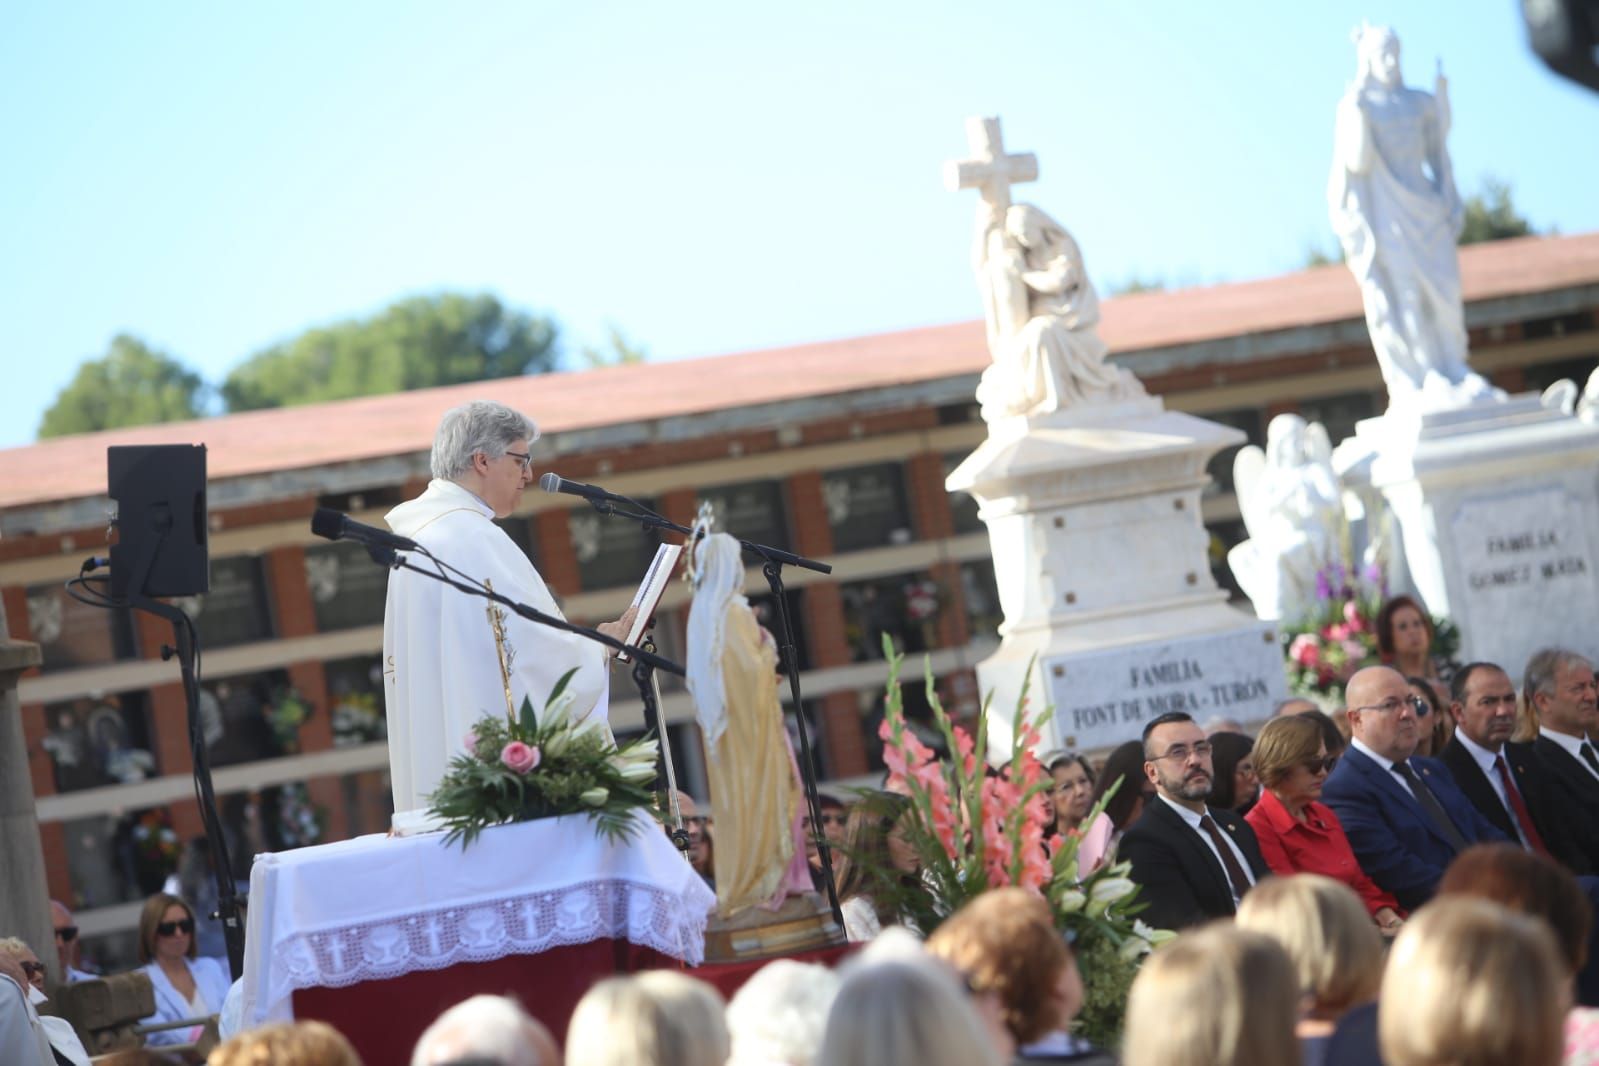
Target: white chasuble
(441, 665)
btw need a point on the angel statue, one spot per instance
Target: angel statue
(1040, 311)
(756, 796)
(1292, 506)
(1394, 206)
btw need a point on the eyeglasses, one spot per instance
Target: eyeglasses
(1182, 751)
(184, 926)
(67, 934)
(1395, 704)
(33, 969)
(525, 457)
(1323, 765)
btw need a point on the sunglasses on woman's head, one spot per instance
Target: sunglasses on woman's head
(185, 925)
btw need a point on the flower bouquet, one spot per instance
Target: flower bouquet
(518, 769)
(974, 830)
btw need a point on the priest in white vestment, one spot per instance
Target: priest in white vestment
(442, 660)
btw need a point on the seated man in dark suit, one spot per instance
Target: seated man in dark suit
(1506, 782)
(1404, 816)
(1192, 862)
(1559, 685)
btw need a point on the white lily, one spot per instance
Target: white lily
(595, 797)
(1111, 889)
(559, 711)
(1071, 901)
(1133, 947)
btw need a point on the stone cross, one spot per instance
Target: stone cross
(991, 171)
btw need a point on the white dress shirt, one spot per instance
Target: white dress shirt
(1571, 744)
(1193, 821)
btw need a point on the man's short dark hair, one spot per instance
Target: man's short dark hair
(1165, 719)
(1457, 684)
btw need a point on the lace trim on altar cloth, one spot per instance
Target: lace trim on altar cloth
(525, 924)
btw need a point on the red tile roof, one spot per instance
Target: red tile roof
(351, 430)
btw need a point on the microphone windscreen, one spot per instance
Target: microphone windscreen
(326, 522)
(550, 482)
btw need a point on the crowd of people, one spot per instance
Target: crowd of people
(1363, 886)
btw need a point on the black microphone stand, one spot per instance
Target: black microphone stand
(788, 659)
(185, 648)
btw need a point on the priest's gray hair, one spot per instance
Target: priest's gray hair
(1544, 665)
(486, 1029)
(479, 426)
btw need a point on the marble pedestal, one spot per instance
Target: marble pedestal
(1495, 512)
(1101, 559)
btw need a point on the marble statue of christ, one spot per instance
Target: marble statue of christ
(446, 662)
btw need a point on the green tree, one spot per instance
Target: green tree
(616, 351)
(131, 385)
(1491, 216)
(417, 343)
(1135, 284)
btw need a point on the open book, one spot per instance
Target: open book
(649, 592)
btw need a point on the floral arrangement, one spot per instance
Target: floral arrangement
(922, 600)
(1340, 637)
(286, 713)
(155, 841)
(300, 822)
(516, 769)
(974, 830)
(357, 719)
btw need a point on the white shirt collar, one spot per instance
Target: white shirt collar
(1565, 740)
(1187, 815)
(1381, 760)
(450, 488)
(1482, 755)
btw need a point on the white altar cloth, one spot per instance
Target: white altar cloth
(378, 907)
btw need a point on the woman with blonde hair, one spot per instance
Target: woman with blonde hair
(1335, 949)
(308, 1043)
(655, 1018)
(907, 1011)
(1218, 996)
(1471, 983)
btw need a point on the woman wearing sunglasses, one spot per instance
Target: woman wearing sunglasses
(186, 985)
(1299, 834)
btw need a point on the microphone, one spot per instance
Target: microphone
(553, 482)
(329, 523)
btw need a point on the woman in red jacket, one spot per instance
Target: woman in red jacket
(1297, 834)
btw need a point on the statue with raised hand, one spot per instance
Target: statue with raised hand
(1397, 213)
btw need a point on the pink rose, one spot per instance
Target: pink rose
(519, 758)
(1304, 650)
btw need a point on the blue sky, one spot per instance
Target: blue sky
(709, 177)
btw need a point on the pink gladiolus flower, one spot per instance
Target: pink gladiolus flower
(519, 758)
(1357, 624)
(471, 740)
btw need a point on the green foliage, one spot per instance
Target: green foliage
(131, 385)
(1107, 979)
(1137, 284)
(616, 351)
(417, 343)
(1491, 216)
(575, 768)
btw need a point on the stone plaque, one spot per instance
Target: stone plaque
(1104, 698)
(1523, 566)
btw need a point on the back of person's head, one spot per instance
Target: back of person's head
(779, 1014)
(1125, 765)
(1471, 983)
(308, 1043)
(1005, 942)
(903, 1012)
(1331, 940)
(1335, 729)
(486, 1029)
(655, 1018)
(1531, 884)
(1219, 996)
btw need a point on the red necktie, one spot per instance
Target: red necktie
(1518, 807)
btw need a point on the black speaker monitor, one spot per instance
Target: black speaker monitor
(161, 545)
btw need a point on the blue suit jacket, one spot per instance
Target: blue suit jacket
(1396, 843)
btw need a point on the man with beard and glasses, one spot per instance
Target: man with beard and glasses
(1193, 862)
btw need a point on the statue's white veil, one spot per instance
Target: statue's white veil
(718, 584)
